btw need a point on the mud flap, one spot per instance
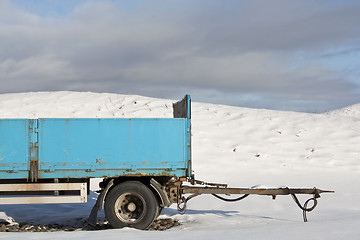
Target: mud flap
(99, 205)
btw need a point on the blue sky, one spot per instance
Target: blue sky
(63, 8)
(48, 8)
(281, 54)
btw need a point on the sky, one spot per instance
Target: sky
(279, 54)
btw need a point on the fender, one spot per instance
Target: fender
(160, 190)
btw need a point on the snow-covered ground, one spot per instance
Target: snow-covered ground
(239, 146)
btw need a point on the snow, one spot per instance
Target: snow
(353, 111)
(239, 146)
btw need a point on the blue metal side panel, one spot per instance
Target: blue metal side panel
(188, 135)
(14, 148)
(189, 147)
(112, 147)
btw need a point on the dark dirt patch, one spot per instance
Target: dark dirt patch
(163, 224)
(158, 225)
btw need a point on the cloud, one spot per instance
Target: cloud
(243, 52)
(35, 68)
(281, 26)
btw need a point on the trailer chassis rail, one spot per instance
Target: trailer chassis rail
(216, 189)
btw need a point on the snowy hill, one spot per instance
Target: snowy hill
(351, 111)
(238, 146)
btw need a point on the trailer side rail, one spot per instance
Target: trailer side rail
(39, 189)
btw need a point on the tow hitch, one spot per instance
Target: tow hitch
(216, 189)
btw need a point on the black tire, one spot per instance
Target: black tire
(131, 204)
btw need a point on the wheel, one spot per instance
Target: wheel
(131, 204)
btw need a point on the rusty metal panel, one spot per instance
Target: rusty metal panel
(182, 108)
(14, 148)
(34, 156)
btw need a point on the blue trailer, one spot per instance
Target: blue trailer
(143, 163)
(81, 148)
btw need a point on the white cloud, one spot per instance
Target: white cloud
(241, 49)
(36, 67)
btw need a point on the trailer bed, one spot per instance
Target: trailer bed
(84, 148)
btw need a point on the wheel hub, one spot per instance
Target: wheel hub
(131, 207)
